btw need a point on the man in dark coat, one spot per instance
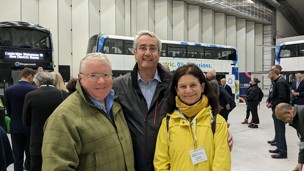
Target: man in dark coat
(280, 93)
(14, 97)
(295, 117)
(297, 90)
(226, 87)
(38, 106)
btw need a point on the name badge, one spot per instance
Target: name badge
(198, 155)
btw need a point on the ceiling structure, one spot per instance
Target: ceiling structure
(293, 11)
(260, 11)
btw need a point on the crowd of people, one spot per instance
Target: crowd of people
(148, 119)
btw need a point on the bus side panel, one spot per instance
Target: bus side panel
(121, 62)
(292, 64)
(203, 64)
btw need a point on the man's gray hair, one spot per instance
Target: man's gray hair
(44, 78)
(148, 33)
(94, 56)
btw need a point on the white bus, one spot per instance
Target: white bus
(119, 49)
(290, 55)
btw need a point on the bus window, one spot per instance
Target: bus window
(164, 51)
(177, 50)
(228, 54)
(212, 53)
(288, 51)
(191, 51)
(200, 52)
(113, 46)
(301, 49)
(128, 47)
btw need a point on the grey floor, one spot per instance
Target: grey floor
(250, 151)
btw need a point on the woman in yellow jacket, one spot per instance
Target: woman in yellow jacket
(188, 143)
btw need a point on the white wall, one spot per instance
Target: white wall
(284, 29)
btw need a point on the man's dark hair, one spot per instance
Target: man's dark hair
(275, 71)
(27, 72)
(278, 67)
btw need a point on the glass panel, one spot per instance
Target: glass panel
(228, 54)
(24, 38)
(113, 46)
(191, 51)
(301, 49)
(129, 47)
(212, 53)
(164, 50)
(288, 51)
(177, 50)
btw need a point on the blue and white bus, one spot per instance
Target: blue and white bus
(290, 55)
(119, 49)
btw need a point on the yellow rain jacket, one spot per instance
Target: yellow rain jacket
(175, 154)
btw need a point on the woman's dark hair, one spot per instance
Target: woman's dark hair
(256, 80)
(191, 69)
(71, 86)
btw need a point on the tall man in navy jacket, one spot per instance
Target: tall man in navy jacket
(20, 135)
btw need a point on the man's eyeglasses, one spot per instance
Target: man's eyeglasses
(145, 49)
(96, 76)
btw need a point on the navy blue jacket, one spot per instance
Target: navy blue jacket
(298, 99)
(14, 97)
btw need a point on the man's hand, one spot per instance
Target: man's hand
(230, 140)
(228, 106)
(298, 167)
(268, 105)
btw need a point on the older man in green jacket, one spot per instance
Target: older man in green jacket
(88, 130)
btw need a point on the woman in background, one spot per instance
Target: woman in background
(186, 141)
(253, 101)
(59, 83)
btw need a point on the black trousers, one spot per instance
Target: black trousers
(247, 112)
(254, 111)
(279, 127)
(36, 162)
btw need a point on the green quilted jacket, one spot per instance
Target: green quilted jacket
(79, 136)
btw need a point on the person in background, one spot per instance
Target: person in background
(223, 95)
(20, 135)
(6, 154)
(40, 69)
(188, 131)
(253, 101)
(211, 77)
(297, 90)
(226, 87)
(71, 86)
(59, 83)
(295, 117)
(268, 104)
(88, 130)
(280, 93)
(38, 106)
